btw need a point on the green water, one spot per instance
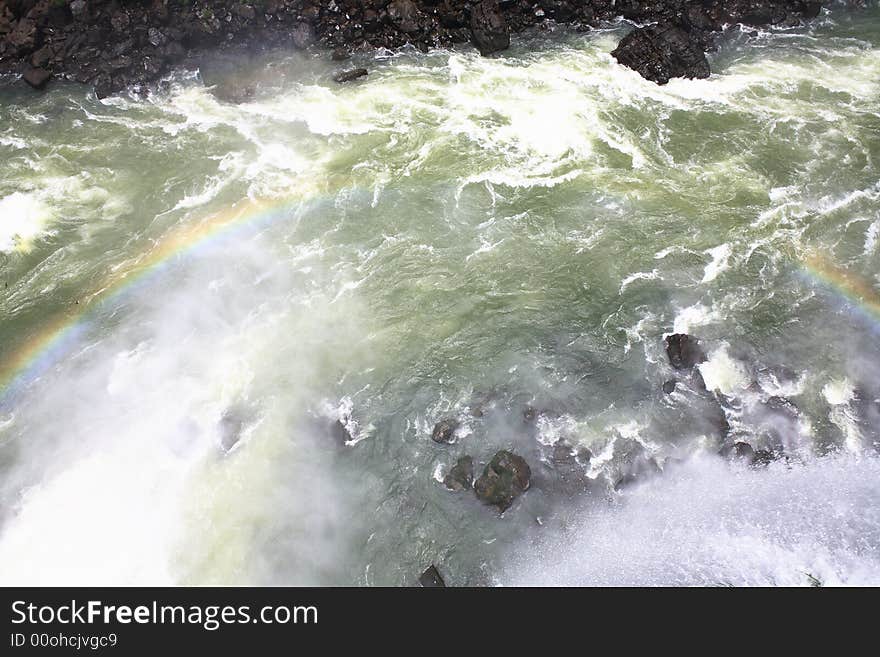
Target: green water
(450, 231)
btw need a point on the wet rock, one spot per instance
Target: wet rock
(584, 456)
(431, 578)
(684, 351)
(120, 21)
(349, 75)
(716, 417)
(633, 463)
(340, 432)
(698, 381)
(84, 35)
(661, 52)
(489, 30)
(562, 452)
(530, 414)
(782, 405)
(41, 57)
(743, 451)
(245, 11)
(302, 36)
(36, 77)
(340, 54)
(79, 9)
(739, 450)
(504, 478)
(404, 15)
(669, 386)
(764, 457)
(461, 476)
(444, 431)
(23, 37)
(156, 37)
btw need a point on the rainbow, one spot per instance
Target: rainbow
(858, 291)
(59, 337)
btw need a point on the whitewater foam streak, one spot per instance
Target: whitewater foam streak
(706, 523)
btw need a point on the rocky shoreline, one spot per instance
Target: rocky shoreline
(119, 44)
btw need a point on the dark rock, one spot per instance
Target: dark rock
(120, 21)
(302, 36)
(404, 15)
(340, 54)
(348, 76)
(41, 57)
(530, 414)
(82, 36)
(156, 37)
(782, 405)
(584, 456)
(684, 351)
(245, 11)
(661, 52)
(340, 432)
(764, 457)
(739, 450)
(669, 386)
(444, 431)
(461, 476)
(23, 37)
(562, 452)
(751, 456)
(633, 463)
(79, 9)
(234, 93)
(431, 578)
(36, 77)
(504, 479)
(717, 417)
(489, 30)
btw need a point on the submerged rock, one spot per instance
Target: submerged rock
(444, 431)
(489, 30)
(661, 52)
(504, 478)
(669, 386)
(431, 578)
(349, 75)
(684, 351)
(461, 476)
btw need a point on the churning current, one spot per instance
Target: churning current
(228, 329)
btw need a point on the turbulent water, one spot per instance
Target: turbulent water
(451, 231)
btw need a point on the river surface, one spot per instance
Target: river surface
(194, 289)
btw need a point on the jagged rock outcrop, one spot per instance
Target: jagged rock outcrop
(489, 29)
(661, 52)
(461, 475)
(504, 478)
(113, 45)
(684, 351)
(444, 431)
